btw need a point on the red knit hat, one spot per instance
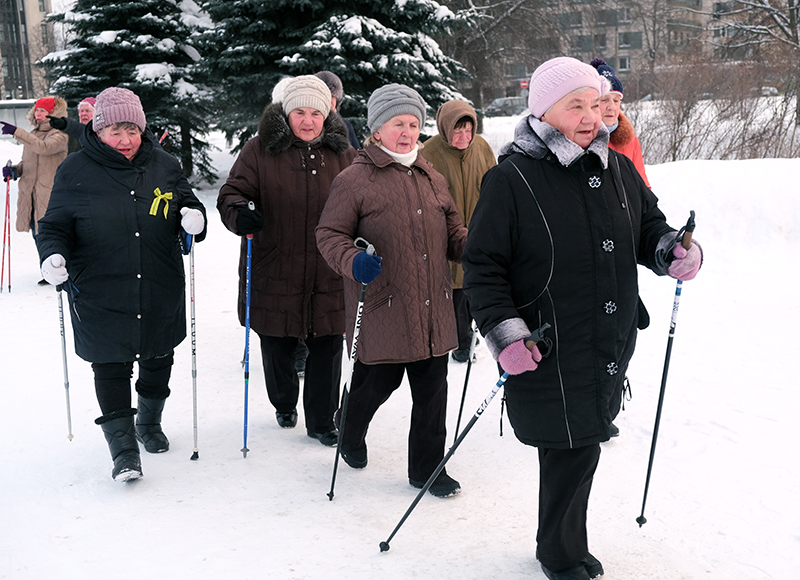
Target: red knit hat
(47, 103)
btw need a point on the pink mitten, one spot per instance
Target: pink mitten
(516, 358)
(686, 263)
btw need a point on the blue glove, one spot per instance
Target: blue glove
(366, 267)
(8, 128)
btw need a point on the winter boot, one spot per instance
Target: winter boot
(121, 437)
(148, 425)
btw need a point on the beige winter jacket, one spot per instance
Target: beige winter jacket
(44, 148)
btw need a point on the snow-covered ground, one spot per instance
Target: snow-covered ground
(723, 495)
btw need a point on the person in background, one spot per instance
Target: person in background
(286, 171)
(554, 245)
(111, 237)
(463, 158)
(74, 128)
(623, 138)
(43, 149)
(393, 198)
(337, 95)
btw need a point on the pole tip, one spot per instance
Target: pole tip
(384, 546)
(244, 452)
(70, 436)
(330, 496)
(195, 456)
(641, 520)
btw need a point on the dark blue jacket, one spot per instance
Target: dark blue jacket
(117, 223)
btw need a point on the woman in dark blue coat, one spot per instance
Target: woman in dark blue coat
(111, 237)
(561, 224)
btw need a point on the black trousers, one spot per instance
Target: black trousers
(112, 382)
(321, 384)
(565, 480)
(463, 318)
(373, 385)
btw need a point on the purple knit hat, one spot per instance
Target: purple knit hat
(558, 77)
(116, 105)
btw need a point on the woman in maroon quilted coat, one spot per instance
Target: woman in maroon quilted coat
(286, 171)
(393, 198)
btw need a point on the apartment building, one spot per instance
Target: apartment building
(24, 38)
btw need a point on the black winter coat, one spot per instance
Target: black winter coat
(117, 223)
(556, 238)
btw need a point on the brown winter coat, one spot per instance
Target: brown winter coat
(44, 148)
(624, 140)
(294, 291)
(410, 218)
(463, 169)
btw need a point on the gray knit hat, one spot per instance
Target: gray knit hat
(115, 105)
(334, 84)
(307, 91)
(392, 100)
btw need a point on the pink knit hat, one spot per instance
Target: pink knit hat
(116, 105)
(558, 77)
(89, 101)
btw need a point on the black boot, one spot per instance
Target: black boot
(148, 425)
(121, 437)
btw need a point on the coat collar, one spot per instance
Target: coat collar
(536, 138)
(276, 136)
(379, 158)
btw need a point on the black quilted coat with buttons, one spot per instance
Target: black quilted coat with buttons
(556, 238)
(117, 224)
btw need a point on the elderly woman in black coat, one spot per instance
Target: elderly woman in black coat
(111, 237)
(561, 224)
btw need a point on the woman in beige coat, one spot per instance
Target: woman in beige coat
(44, 148)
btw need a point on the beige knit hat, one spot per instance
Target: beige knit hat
(307, 91)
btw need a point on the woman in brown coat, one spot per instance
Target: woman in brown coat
(286, 170)
(44, 148)
(393, 198)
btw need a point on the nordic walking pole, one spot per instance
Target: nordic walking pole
(685, 237)
(190, 242)
(251, 206)
(362, 244)
(6, 235)
(466, 379)
(534, 338)
(64, 358)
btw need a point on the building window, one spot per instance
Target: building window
(45, 35)
(630, 40)
(570, 19)
(624, 63)
(719, 9)
(582, 43)
(622, 15)
(42, 7)
(600, 42)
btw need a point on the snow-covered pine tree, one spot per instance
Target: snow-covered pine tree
(367, 43)
(145, 46)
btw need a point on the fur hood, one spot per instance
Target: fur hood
(276, 136)
(624, 132)
(536, 139)
(60, 110)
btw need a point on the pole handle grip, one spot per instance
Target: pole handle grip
(686, 240)
(363, 244)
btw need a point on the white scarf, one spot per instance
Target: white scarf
(406, 159)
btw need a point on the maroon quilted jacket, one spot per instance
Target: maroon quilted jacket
(410, 218)
(294, 291)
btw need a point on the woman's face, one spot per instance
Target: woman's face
(306, 123)
(610, 106)
(462, 136)
(40, 114)
(577, 116)
(85, 113)
(399, 134)
(123, 138)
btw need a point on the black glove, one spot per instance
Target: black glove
(249, 221)
(59, 123)
(8, 128)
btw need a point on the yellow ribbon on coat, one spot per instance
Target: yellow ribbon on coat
(159, 196)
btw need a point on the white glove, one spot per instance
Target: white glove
(192, 221)
(54, 269)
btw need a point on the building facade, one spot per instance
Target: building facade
(25, 37)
